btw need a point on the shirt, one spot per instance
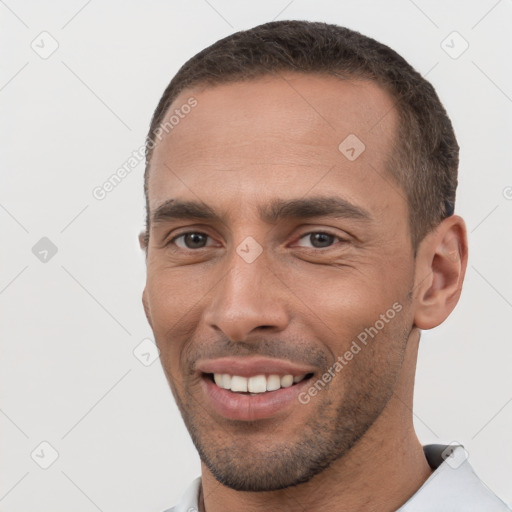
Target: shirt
(452, 487)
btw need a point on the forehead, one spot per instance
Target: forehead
(274, 133)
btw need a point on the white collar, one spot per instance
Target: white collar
(453, 486)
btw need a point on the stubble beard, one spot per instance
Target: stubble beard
(330, 433)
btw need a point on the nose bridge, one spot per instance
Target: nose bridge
(249, 296)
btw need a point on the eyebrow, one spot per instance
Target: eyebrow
(276, 210)
(305, 208)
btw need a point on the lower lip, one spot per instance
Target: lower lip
(237, 406)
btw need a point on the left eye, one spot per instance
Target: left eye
(318, 240)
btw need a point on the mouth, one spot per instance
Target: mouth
(253, 388)
(250, 391)
(256, 384)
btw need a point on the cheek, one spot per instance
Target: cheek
(173, 292)
(175, 300)
(359, 318)
(343, 300)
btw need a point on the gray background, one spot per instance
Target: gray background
(70, 323)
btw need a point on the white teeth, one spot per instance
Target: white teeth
(273, 382)
(238, 383)
(286, 381)
(226, 381)
(256, 384)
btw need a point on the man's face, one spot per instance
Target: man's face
(255, 289)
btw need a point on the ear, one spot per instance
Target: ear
(143, 240)
(441, 263)
(145, 303)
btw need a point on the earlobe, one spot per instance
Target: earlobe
(440, 270)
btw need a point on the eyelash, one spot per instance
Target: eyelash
(309, 233)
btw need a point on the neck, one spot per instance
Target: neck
(379, 474)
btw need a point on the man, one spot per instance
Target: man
(300, 187)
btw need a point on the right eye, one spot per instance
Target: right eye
(192, 240)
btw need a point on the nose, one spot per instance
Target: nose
(249, 298)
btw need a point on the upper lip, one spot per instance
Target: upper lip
(251, 366)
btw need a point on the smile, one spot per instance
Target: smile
(256, 384)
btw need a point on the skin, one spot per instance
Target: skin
(353, 446)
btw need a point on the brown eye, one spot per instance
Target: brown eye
(321, 239)
(318, 240)
(191, 240)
